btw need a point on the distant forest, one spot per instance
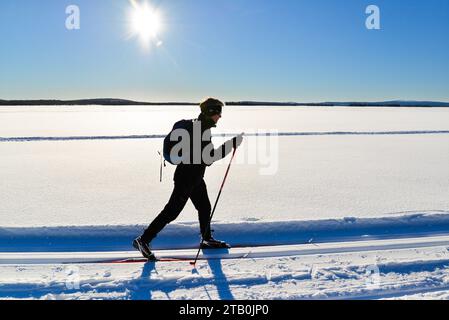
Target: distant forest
(122, 102)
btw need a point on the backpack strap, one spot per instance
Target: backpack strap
(163, 164)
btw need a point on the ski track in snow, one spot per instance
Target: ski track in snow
(243, 233)
(329, 276)
(262, 134)
(402, 262)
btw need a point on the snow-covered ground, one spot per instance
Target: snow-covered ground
(367, 259)
(357, 207)
(102, 182)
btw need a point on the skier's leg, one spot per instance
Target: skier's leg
(177, 202)
(200, 200)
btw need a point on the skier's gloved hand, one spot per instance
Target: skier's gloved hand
(237, 141)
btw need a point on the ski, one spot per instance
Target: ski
(139, 260)
(213, 256)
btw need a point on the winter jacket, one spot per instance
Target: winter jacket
(201, 152)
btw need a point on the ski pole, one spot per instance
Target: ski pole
(215, 206)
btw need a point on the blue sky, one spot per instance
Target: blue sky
(288, 50)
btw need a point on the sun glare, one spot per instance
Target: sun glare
(146, 24)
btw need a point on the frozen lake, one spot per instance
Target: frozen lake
(111, 182)
(102, 120)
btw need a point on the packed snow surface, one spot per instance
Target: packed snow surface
(116, 182)
(352, 204)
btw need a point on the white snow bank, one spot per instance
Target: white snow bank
(250, 233)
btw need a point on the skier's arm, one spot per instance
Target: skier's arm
(223, 150)
(227, 147)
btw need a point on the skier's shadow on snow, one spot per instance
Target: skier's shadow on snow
(222, 284)
(141, 291)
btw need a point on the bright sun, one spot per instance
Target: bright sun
(145, 23)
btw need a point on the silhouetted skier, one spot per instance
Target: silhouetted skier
(191, 161)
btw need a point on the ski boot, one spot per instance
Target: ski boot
(211, 243)
(144, 249)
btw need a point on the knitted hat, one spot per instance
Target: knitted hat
(211, 107)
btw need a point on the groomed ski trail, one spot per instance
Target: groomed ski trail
(23, 258)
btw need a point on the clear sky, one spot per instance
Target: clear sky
(284, 50)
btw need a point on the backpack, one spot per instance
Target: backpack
(169, 144)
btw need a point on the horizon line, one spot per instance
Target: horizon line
(120, 101)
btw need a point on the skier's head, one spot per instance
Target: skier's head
(211, 109)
